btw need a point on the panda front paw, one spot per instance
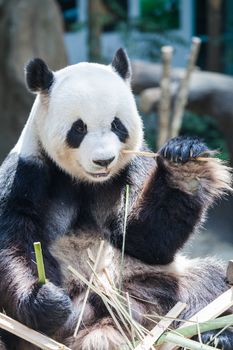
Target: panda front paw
(46, 309)
(181, 149)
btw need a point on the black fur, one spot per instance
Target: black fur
(120, 130)
(23, 197)
(121, 64)
(39, 77)
(157, 208)
(76, 134)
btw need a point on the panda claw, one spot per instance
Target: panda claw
(183, 149)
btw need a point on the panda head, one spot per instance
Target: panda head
(87, 116)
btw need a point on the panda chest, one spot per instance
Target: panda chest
(78, 248)
(80, 252)
(99, 209)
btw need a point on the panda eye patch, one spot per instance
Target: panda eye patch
(76, 134)
(119, 129)
(80, 126)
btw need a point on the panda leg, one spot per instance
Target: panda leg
(195, 282)
(102, 335)
(203, 282)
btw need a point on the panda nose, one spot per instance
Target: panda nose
(104, 162)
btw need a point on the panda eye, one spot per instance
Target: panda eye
(76, 134)
(80, 127)
(119, 129)
(115, 125)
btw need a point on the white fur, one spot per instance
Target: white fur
(95, 94)
(104, 338)
(28, 142)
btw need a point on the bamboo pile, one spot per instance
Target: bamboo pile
(161, 337)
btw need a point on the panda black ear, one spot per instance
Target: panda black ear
(39, 77)
(121, 64)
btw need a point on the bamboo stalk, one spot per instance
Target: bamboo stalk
(29, 334)
(211, 311)
(176, 337)
(182, 95)
(114, 299)
(110, 297)
(105, 300)
(39, 262)
(165, 98)
(153, 155)
(118, 324)
(131, 315)
(124, 235)
(111, 300)
(160, 328)
(88, 288)
(214, 309)
(192, 330)
(186, 343)
(230, 272)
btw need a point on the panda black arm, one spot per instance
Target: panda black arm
(23, 196)
(173, 201)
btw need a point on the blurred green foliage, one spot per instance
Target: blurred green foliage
(206, 128)
(155, 27)
(159, 15)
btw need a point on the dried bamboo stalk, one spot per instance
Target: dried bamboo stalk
(165, 98)
(190, 331)
(211, 311)
(28, 334)
(107, 302)
(214, 309)
(230, 272)
(88, 288)
(182, 95)
(160, 328)
(153, 155)
(124, 236)
(131, 315)
(186, 343)
(116, 300)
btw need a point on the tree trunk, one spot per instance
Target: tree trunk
(214, 29)
(27, 29)
(94, 30)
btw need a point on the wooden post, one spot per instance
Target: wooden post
(94, 30)
(182, 95)
(165, 97)
(214, 23)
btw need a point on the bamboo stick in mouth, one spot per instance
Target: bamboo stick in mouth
(153, 155)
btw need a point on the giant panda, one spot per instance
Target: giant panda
(63, 184)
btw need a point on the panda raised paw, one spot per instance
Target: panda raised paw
(182, 149)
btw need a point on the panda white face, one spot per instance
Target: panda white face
(90, 118)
